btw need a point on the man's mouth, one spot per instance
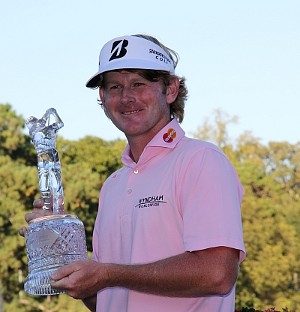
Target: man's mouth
(131, 112)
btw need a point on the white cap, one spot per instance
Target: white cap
(131, 52)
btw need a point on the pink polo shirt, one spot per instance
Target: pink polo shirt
(182, 195)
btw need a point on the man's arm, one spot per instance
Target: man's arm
(191, 274)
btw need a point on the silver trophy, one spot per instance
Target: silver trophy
(58, 239)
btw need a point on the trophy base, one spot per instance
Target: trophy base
(52, 242)
(39, 284)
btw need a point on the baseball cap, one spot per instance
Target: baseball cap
(131, 52)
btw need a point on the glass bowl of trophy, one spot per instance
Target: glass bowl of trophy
(57, 239)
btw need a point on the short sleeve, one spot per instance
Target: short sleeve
(210, 200)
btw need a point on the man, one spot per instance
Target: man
(168, 234)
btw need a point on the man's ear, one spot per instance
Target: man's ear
(101, 95)
(103, 103)
(172, 90)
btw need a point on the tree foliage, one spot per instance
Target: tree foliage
(270, 175)
(270, 211)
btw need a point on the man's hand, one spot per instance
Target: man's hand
(37, 212)
(81, 279)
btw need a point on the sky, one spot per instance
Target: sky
(242, 57)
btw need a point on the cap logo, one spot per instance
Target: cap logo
(118, 49)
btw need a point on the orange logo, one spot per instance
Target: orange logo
(170, 135)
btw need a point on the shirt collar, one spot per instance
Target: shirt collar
(167, 137)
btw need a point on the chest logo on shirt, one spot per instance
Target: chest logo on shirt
(150, 201)
(170, 135)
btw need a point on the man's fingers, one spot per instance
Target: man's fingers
(38, 203)
(36, 213)
(22, 231)
(32, 215)
(63, 272)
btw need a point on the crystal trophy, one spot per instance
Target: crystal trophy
(57, 239)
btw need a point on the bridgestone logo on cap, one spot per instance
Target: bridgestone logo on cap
(118, 50)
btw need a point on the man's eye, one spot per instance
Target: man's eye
(113, 87)
(138, 84)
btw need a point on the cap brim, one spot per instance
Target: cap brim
(93, 82)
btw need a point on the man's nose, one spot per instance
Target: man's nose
(127, 95)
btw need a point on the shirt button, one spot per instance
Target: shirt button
(129, 191)
(136, 171)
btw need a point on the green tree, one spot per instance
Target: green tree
(13, 142)
(270, 176)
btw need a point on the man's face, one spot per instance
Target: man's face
(136, 106)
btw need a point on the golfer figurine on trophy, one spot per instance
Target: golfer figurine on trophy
(57, 239)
